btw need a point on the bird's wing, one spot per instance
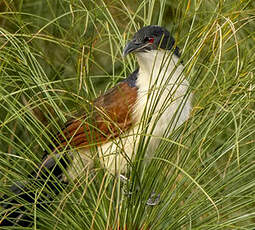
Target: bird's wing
(109, 117)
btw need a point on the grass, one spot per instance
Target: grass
(55, 56)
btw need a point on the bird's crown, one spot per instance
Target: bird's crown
(151, 38)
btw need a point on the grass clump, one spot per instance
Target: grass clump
(55, 56)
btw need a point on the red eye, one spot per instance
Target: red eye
(151, 40)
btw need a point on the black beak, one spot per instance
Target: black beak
(132, 46)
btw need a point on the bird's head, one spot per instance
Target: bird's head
(150, 38)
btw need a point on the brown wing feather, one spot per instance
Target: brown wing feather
(110, 116)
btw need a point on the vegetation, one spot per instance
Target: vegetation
(55, 56)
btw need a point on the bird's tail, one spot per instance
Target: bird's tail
(47, 178)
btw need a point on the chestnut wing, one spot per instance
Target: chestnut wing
(109, 117)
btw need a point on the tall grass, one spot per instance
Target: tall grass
(55, 56)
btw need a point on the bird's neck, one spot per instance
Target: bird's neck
(156, 67)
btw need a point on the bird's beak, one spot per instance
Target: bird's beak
(131, 47)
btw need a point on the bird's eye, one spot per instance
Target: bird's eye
(149, 40)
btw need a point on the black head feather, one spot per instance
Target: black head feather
(151, 38)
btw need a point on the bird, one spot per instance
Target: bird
(155, 99)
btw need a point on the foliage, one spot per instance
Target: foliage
(55, 56)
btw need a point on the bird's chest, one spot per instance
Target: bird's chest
(152, 108)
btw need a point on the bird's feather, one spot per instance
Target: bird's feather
(109, 117)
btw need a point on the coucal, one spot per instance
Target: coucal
(155, 98)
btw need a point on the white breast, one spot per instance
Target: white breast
(163, 93)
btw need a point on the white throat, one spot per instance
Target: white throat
(156, 67)
(161, 74)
